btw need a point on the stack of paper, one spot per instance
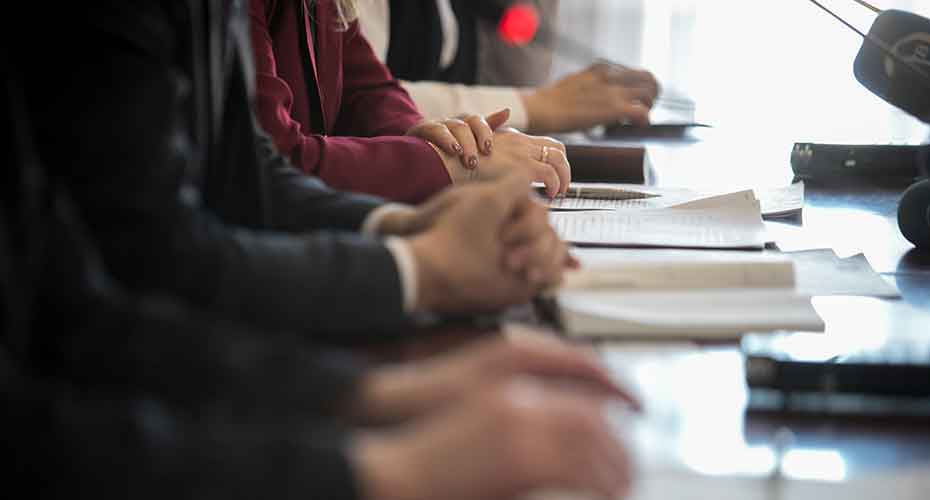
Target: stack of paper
(775, 202)
(695, 297)
(730, 221)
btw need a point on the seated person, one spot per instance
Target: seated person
(187, 198)
(109, 395)
(439, 48)
(338, 114)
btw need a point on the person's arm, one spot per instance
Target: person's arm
(133, 187)
(72, 443)
(438, 99)
(374, 103)
(395, 167)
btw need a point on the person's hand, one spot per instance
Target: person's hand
(463, 262)
(401, 392)
(501, 443)
(464, 138)
(603, 94)
(542, 158)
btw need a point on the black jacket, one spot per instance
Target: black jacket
(106, 395)
(415, 48)
(143, 109)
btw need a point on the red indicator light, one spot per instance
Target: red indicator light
(519, 24)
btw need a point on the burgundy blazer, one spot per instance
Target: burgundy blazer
(357, 144)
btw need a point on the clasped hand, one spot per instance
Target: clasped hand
(482, 247)
(478, 148)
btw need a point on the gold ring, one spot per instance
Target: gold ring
(544, 157)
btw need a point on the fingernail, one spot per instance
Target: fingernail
(457, 147)
(473, 161)
(488, 146)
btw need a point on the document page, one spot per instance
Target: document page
(822, 272)
(774, 202)
(700, 271)
(687, 314)
(781, 202)
(673, 228)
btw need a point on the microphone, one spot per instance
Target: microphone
(893, 63)
(894, 59)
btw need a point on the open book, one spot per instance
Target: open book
(700, 295)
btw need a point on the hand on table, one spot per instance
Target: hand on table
(401, 392)
(501, 442)
(603, 94)
(464, 138)
(486, 246)
(475, 148)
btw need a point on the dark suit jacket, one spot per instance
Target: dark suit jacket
(144, 110)
(333, 108)
(415, 48)
(109, 396)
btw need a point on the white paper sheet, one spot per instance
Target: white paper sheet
(690, 314)
(674, 228)
(822, 272)
(775, 202)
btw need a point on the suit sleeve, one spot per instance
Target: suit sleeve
(379, 160)
(130, 177)
(72, 443)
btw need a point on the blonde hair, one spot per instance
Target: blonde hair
(348, 12)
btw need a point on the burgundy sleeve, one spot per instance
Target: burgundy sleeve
(373, 102)
(398, 168)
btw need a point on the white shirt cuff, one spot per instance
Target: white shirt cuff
(437, 101)
(406, 269)
(372, 224)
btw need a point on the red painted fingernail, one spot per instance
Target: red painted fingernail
(473, 161)
(488, 146)
(457, 148)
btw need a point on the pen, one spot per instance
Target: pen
(608, 193)
(598, 193)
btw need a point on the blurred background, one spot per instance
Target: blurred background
(764, 73)
(779, 66)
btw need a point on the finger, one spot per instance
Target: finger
(550, 142)
(559, 360)
(536, 262)
(482, 132)
(547, 174)
(636, 114)
(466, 138)
(558, 161)
(605, 475)
(646, 79)
(622, 75)
(505, 197)
(555, 267)
(616, 455)
(572, 262)
(608, 71)
(588, 440)
(438, 134)
(536, 259)
(530, 220)
(644, 95)
(499, 119)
